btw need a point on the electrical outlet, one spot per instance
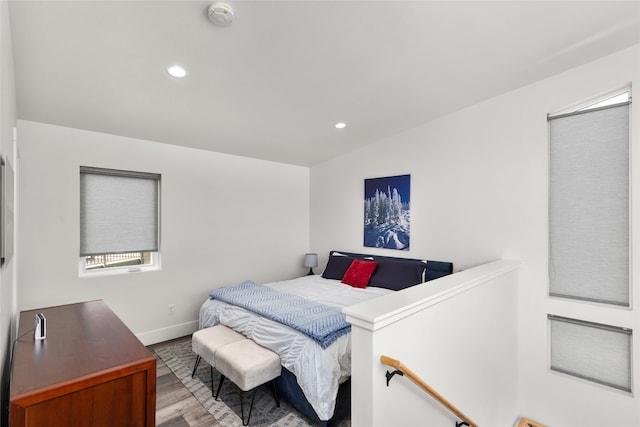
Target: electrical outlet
(171, 310)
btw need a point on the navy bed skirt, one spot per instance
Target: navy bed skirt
(289, 390)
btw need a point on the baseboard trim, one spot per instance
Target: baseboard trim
(168, 333)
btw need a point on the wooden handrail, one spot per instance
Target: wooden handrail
(426, 387)
(525, 422)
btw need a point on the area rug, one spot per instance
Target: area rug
(180, 359)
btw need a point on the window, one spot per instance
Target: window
(614, 99)
(589, 237)
(589, 202)
(592, 351)
(119, 220)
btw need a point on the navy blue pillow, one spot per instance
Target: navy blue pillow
(397, 275)
(438, 269)
(337, 266)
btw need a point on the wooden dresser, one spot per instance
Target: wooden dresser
(90, 370)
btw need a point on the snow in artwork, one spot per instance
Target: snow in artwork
(387, 212)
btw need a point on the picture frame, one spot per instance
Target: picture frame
(387, 212)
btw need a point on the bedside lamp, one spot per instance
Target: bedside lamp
(310, 260)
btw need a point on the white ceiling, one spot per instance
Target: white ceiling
(273, 83)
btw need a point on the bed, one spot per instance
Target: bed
(301, 320)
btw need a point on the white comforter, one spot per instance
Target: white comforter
(319, 372)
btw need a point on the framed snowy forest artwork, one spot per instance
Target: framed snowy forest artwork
(387, 212)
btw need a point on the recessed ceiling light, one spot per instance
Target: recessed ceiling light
(177, 71)
(340, 125)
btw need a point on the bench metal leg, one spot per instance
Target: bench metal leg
(274, 393)
(215, 396)
(193, 374)
(211, 373)
(250, 407)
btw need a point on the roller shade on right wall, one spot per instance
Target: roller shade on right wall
(589, 205)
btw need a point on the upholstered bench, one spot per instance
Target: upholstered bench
(248, 366)
(207, 341)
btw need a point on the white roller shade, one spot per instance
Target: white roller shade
(119, 211)
(589, 205)
(598, 353)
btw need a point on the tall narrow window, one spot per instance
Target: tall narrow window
(119, 217)
(589, 204)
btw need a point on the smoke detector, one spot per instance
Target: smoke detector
(221, 13)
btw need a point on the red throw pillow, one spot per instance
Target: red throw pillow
(359, 273)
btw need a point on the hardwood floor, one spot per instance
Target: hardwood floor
(175, 405)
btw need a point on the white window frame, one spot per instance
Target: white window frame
(593, 102)
(153, 265)
(581, 371)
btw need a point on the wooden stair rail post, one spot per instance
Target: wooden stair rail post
(426, 387)
(525, 422)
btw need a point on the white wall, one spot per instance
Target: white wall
(223, 219)
(457, 334)
(479, 193)
(7, 151)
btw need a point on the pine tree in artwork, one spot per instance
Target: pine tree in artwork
(383, 208)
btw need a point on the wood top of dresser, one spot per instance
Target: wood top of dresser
(85, 342)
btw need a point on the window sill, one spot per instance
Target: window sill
(114, 271)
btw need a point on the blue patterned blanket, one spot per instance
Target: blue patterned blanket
(322, 323)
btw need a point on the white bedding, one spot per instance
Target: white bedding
(319, 372)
